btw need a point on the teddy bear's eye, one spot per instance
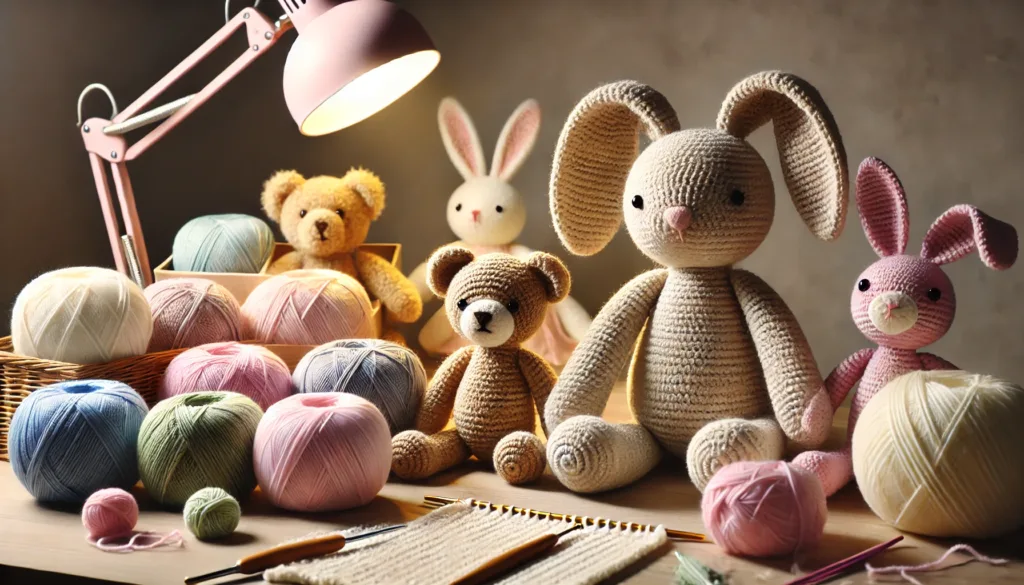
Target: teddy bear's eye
(341, 213)
(863, 285)
(513, 306)
(499, 209)
(737, 197)
(458, 207)
(462, 304)
(302, 213)
(934, 295)
(638, 202)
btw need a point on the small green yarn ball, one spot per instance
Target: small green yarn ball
(198, 440)
(212, 513)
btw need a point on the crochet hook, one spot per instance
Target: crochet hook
(288, 553)
(513, 558)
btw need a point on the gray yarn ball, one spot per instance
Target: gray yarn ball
(388, 375)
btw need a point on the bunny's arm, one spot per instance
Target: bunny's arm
(540, 379)
(588, 377)
(439, 400)
(418, 278)
(794, 384)
(846, 375)
(931, 361)
(388, 284)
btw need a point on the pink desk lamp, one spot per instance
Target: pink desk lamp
(351, 59)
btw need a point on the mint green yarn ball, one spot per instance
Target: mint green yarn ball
(212, 513)
(232, 242)
(198, 440)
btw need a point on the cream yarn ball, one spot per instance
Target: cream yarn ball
(940, 453)
(81, 315)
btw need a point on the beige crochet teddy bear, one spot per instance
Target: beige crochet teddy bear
(495, 301)
(326, 219)
(721, 371)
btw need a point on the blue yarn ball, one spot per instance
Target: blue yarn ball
(71, 439)
(232, 242)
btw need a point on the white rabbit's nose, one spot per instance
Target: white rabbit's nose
(476, 215)
(678, 218)
(892, 313)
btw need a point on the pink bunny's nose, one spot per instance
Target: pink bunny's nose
(678, 218)
(476, 215)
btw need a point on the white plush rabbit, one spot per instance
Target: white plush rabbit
(487, 214)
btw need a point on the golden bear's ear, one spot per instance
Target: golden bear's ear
(369, 187)
(552, 273)
(443, 265)
(277, 189)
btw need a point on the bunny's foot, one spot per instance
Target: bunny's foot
(833, 468)
(415, 455)
(519, 457)
(726, 441)
(588, 454)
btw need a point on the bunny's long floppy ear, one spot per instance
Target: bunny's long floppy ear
(516, 140)
(595, 151)
(964, 229)
(810, 147)
(460, 139)
(882, 204)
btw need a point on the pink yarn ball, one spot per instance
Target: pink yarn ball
(308, 307)
(764, 508)
(110, 513)
(192, 311)
(319, 452)
(251, 370)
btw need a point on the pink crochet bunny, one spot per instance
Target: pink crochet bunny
(902, 303)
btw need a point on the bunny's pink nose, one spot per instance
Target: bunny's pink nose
(678, 218)
(476, 215)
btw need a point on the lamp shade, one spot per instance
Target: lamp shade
(350, 60)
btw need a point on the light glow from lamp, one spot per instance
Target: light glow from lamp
(369, 93)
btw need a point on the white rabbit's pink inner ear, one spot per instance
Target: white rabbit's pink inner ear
(516, 140)
(964, 229)
(460, 139)
(882, 204)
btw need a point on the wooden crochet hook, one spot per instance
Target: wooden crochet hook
(513, 558)
(288, 553)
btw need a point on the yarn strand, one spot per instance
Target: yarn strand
(137, 542)
(936, 565)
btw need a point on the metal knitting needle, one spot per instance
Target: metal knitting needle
(288, 553)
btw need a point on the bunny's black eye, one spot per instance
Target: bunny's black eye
(458, 207)
(462, 304)
(934, 295)
(513, 306)
(638, 202)
(499, 209)
(340, 212)
(302, 213)
(863, 285)
(737, 197)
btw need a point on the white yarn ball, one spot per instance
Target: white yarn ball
(940, 453)
(81, 315)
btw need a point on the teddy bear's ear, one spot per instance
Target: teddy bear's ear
(277, 189)
(552, 273)
(369, 187)
(443, 265)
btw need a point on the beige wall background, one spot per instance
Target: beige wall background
(933, 87)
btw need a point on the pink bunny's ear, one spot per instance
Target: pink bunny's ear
(460, 139)
(964, 229)
(882, 204)
(516, 140)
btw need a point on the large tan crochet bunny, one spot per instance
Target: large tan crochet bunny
(721, 371)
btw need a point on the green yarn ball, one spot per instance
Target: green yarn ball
(212, 513)
(198, 440)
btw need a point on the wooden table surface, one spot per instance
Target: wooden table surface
(53, 540)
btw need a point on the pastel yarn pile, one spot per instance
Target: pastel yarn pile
(250, 370)
(111, 514)
(231, 242)
(318, 452)
(191, 311)
(198, 440)
(390, 376)
(70, 439)
(939, 453)
(82, 316)
(211, 513)
(308, 307)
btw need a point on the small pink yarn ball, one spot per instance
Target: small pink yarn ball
(192, 311)
(110, 513)
(308, 307)
(319, 452)
(251, 370)
(764, 508)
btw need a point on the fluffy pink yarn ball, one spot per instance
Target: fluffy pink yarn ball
(308, 307)
(192, 311)
(764, 509)
(251, 370)
(110, 513)
(318, 452)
